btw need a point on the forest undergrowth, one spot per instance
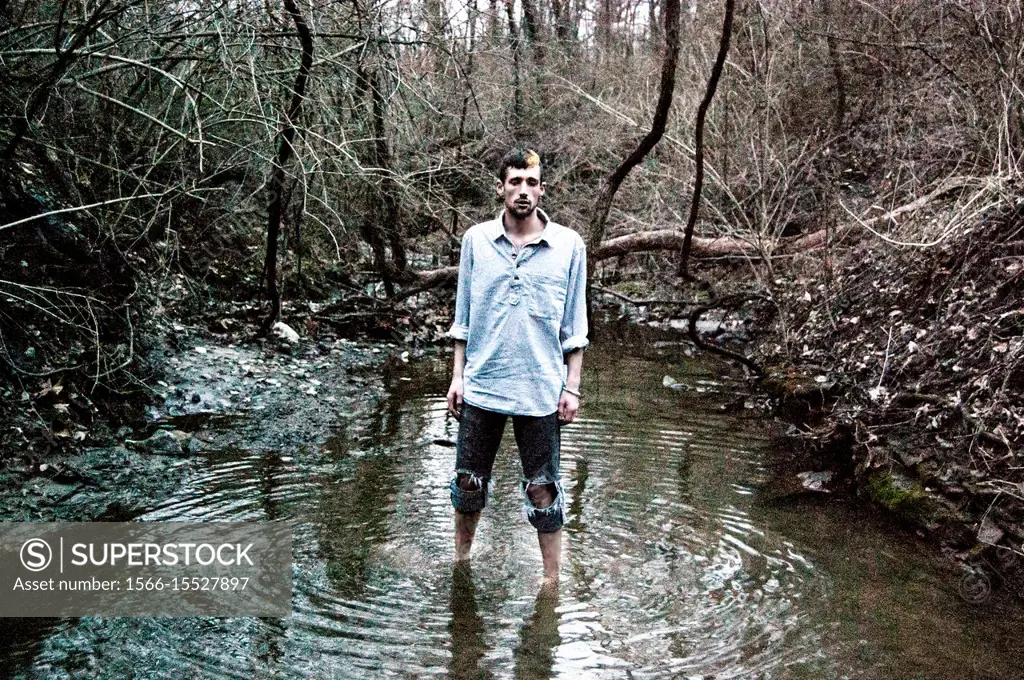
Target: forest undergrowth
(908, 342)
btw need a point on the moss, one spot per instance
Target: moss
(897, 493)
(631, 288)
(789, 382)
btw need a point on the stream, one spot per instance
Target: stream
(677, 563)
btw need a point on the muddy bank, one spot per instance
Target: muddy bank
(275, 395)
(932, 491)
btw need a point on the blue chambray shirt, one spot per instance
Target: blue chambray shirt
(519, 314)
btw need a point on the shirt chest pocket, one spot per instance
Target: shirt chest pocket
(547, 297)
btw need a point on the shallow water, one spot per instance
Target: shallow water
(676, 562)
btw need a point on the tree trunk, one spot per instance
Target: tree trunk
(371, 229)
(702, 112)
(671, 239)
(640, 242)
(604, 24)
(560, 11)
(388, 188)
(652, 22)
(611, 185)
(515, 43)
(286, 139)
(839, 116)
(532, 30)
(436, 22)
(494, 22)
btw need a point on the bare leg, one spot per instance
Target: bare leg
(542, 496)
(551, 553)
(465, 529)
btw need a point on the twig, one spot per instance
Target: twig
(678, 303)
(885, 364)
(80, 208)
(729, 301)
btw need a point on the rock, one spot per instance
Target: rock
(895, 491)
(816, 481)
(54, 491)
(285, 332)
(907, 498)
(911, 458)
(193, 445)
(671, 383)
(989, 533)
(162, 443)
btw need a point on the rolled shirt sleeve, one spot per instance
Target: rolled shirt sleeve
(460, 329)
(573, 331)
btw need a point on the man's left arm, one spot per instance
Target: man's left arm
(569, 401)
(573, 333)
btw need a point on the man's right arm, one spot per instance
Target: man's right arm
(456, 389)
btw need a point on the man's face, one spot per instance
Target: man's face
(521, 191)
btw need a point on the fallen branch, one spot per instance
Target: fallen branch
(644, 241)
(342, 321)
(729, 301)
(426, 280)
(670, 239)
(80, 208)
(817, 239)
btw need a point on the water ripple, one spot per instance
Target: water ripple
(671, 567)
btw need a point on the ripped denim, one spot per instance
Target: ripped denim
(548, 519)
(538, 440)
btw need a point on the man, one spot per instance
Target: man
(520, 329)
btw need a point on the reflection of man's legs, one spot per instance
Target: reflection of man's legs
(467, 627)
(539, 638)
(479, 437)
(539, 440)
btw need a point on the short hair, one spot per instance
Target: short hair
(519, 158)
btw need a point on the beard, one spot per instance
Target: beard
(520, 211)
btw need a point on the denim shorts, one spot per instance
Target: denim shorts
(538, 439)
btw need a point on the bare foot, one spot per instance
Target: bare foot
(549, 585)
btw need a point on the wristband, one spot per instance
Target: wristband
(572, 392)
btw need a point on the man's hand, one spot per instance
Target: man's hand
(568, 405)
(455, 397)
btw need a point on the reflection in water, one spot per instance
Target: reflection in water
(538, 639)
(673, 566)
(466, 627)
(21, 639)
(574, 512)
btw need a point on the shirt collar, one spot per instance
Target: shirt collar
(497, 229)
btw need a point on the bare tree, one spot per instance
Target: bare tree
(285, 149)
(66, 56)
(560, 12)
(515, 43)
(611, 185)
(702, 112)
(532, 29)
